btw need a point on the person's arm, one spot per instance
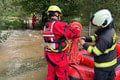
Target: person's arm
(90, 38)
(97, 49)
(69, 32)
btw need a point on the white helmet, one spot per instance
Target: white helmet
(102, 18)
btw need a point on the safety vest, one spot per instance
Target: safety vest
(53, 44)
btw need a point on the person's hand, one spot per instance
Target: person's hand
(83, 38)
(82, 41)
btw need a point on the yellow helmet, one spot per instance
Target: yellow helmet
(54, 8)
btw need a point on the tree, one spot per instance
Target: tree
(81, 9)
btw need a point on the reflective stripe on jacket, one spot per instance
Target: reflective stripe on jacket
(104, 50)
(56, 34)
(51, 41)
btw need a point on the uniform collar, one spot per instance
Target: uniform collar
(51, 20)
(103, 30)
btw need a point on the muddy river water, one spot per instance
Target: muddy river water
(21, 56)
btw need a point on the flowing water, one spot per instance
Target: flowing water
(21, 56)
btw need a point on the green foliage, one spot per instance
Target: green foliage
(8, 15)
(11, 24)
(81, 10)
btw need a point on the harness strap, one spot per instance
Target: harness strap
(50, 49)
(52, 26)
(51, 44)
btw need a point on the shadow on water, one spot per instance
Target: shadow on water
(22, 57)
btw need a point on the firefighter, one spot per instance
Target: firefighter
(55, 35)
(104, 50)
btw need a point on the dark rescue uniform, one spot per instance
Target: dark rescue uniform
(104, 52)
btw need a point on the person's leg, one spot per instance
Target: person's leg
(111, 75)
(51, 72)
(100, 74)
(34, 25)
(62, 73)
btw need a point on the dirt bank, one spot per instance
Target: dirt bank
(22, 57)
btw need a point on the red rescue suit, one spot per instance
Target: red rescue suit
(55, 35)
(34, 22)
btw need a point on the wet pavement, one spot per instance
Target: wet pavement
(21, 56)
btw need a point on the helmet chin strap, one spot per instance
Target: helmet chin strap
(58, 16)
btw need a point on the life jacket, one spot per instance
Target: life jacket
(52, 43)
